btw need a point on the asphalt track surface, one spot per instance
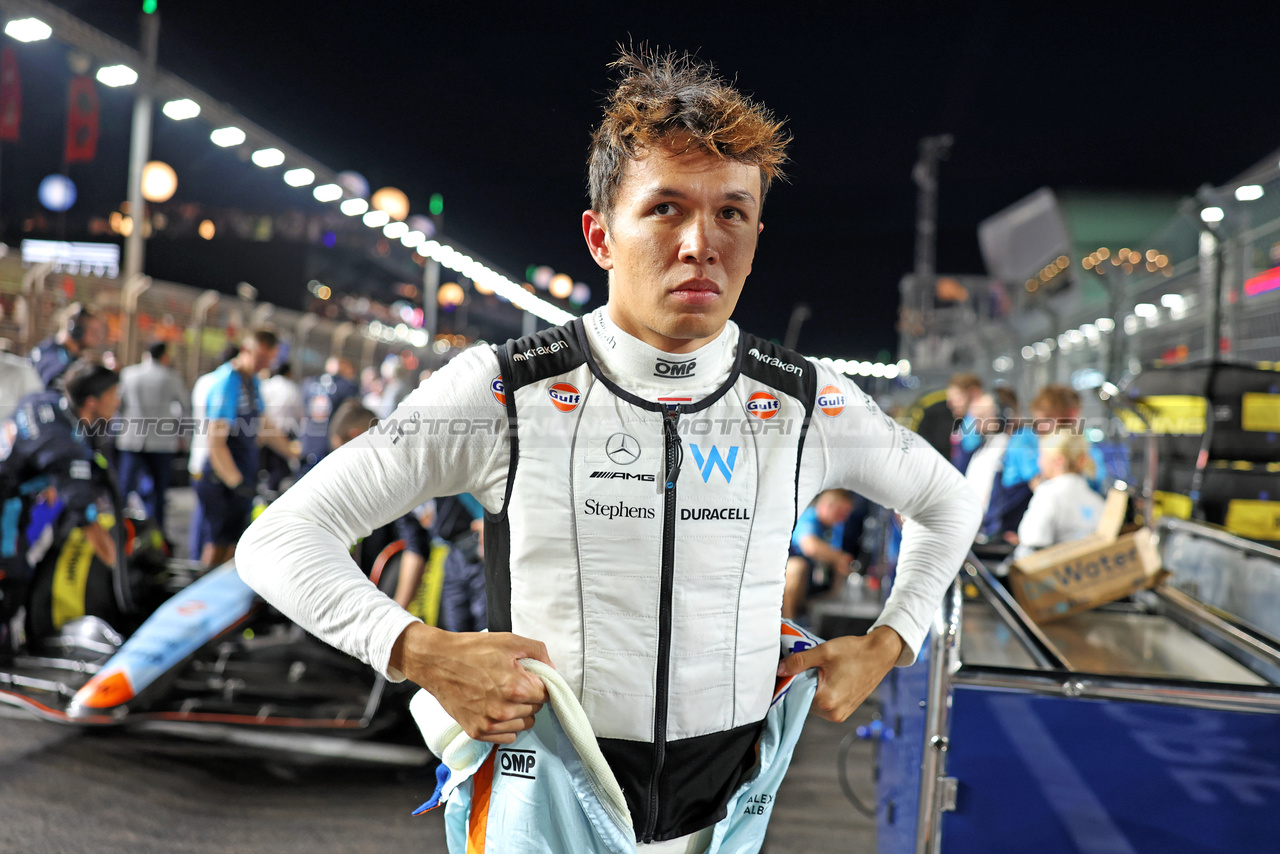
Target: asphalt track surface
(63, 791)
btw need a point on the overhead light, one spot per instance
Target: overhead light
(183, 108)
(377, 219)
(268, 157)
(1212, 214)
(227, 137)
(1172, 301)
(395, 230)
(28, 30)
(1105, 324)
(117, 75)
(1249, 192)
(326, 192)
(1145, 309)
(354, 207)
(300, 177)
(1028, 353)
(413, 238)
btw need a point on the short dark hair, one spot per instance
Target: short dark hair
(157, 350)
(228, 353)
(263, 337)
(350, 415)
(966, 381)
(86, 379)
(678, 102)
(284, 369)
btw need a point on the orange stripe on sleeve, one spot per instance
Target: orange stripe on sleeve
(481, 786)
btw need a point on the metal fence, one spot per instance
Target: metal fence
(196, 324)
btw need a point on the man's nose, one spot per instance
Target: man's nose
(696, 246)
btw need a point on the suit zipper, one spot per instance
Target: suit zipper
(671, 473)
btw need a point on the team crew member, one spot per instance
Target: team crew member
(817, 538)
(641, 470)
(321, 398)
(236, 427)
(152, 400)
(82, 331)
(46, 452)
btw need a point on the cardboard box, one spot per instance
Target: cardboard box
(1072, 577)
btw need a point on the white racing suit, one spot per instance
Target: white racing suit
(639, 506)
(551, 790)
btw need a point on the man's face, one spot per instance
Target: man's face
(957, 400)
(261, 356)
(95, 334)
(832, 511)
(102, 407)
(678, 245)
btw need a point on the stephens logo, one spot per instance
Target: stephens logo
(553, 347)
(499, 390)
(712, 461)
(564, 397)
(617, 511)
(763, 405)
(831, 401)
(667, 369)
(775, 362)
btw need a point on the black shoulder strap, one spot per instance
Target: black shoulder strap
(521, 362)
(788, 372)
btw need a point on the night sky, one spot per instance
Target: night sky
(494, 110)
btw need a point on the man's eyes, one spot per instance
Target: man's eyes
(667, 209)
(664, 208)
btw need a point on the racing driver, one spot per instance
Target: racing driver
(641, 469)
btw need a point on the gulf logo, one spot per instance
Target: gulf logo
(763, 405)
(499, 390)
(564, 397)
(831, 401)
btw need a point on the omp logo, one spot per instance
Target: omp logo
(621, 475)
(553, 347)
(774, 361)
(831, 401)
(564, 397)
(499, 390)
(712, 461)
(517, 763)
(763, 405)
(668, 369)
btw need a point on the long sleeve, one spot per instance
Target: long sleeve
(862, 449)
(448, 436)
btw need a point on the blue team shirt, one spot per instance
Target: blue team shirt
(237, 401)
(809, 526)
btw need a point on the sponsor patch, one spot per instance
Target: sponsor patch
(714, 514)
(619, 510)
(831, 401)
(518, 763)
(713, 460)
(564, 397)
(621, 475)
(763, 405)
(775, 362)
(499, 390)
(553, 347)
(622, 449)
(667, 369)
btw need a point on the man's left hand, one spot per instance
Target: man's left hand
(849, 669)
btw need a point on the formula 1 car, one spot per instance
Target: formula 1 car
(213, 662)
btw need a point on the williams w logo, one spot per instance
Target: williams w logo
(713, 461)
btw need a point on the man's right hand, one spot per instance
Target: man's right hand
(476, 676)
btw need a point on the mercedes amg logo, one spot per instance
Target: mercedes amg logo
(622, 448)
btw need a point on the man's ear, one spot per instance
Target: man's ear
(760, 228)
(596, 232)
